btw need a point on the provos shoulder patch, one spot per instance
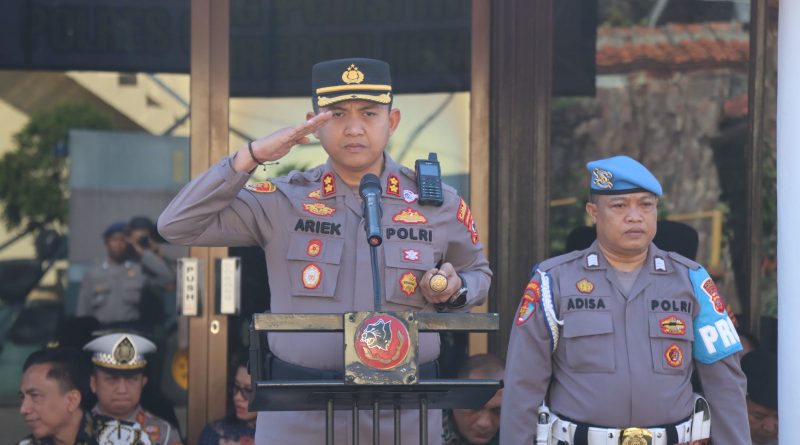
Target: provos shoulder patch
(710, 288)
(530, 298)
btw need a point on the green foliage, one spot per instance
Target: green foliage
(33, 179)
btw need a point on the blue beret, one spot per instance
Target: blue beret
(117, 227)
(621, 174)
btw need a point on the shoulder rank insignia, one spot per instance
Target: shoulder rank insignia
(393, 185)
(409, 196)
(260, 187)
(672, 325)
(328, 184)
(674, 356)
(314, 247)
(319, 209)
(408, 283)
(711, 290)
(530, 298)
(312, 275)
(316, 194)
(410, 216)
(585, 286)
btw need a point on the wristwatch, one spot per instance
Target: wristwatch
(458, 300)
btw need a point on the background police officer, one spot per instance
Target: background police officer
(118, 380)
(615, 331)
(310, 225)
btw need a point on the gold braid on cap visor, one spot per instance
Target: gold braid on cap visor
(381, 99)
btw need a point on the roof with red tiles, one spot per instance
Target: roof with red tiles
(673, 47)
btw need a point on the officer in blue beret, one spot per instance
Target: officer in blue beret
(606, 339)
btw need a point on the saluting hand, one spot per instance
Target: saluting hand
(278, 144)
(453, 284)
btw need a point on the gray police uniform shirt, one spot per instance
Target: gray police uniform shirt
(623, 361)
(111, 292)
(310, 225)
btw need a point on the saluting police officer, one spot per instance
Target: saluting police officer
(118, 380)
(311, 227)
(608, 337)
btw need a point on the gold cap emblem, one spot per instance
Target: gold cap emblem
(352, 75)
(124, 351)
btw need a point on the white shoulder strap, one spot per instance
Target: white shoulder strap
(549, 309)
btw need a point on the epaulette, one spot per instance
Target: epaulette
(297, 177)
(678, 258)
(412, 175)
(409, 172)
(559, 260)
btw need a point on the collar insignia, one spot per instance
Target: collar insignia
(659, 264)
(592, 260)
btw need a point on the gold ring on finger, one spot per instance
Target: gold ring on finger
(438, 282)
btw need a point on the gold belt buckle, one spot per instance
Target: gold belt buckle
(636, 436)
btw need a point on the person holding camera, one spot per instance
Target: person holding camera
(112, 290)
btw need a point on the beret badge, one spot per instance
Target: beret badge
(602, 178)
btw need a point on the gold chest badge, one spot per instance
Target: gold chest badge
(585, 286)
(410, 216)
(319, 209)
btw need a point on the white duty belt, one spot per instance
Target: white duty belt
(552, 430)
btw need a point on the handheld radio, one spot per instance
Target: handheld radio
(429, 181)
